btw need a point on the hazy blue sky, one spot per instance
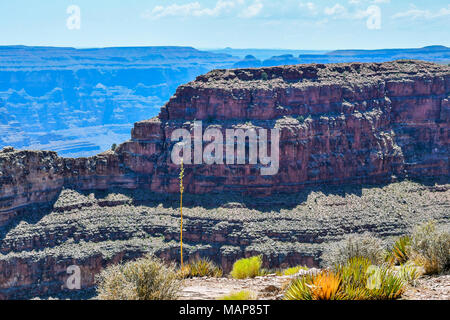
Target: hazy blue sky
(289, 24)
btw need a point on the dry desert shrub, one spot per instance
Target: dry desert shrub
(147, 278)
(353, 246)
(430, 248)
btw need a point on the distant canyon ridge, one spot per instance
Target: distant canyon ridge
(79, 102)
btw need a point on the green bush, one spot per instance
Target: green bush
(241, 295)
(365, 245)
(247, 268)
(147, 278)
(430, 248)
(201, 267)
(301, 119)
(264, 76)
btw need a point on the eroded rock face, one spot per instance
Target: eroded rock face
(339, 124)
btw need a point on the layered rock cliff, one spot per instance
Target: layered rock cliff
(339, 124)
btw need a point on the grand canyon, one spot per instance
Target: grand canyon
(363, 147)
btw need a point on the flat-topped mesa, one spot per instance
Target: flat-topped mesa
(339, 124)
(302, 90)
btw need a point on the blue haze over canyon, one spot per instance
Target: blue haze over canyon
(79, 102)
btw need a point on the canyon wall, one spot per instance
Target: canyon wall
(339, 124)
(342, 123)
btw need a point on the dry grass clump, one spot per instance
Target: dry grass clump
(247, 268)
(201, 267)
(291, 271)
(147, 278)
(365, 245)
(241, 295)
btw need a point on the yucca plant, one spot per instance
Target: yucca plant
(399, 253)
(325, 285)
(300, 289)
(390, 286)
(201, 267)
(357, 279)
(409, 272)
(355, 271)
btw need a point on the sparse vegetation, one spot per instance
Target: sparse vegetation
(147, 278)
(291, 271)
(357, 279)
(201, 267)
(300, 119)
(114, 147)
(399, 253)
(241, 295)
(409, 272)
(365, 246)
(264, 76)
(430, 248)
(247, 268)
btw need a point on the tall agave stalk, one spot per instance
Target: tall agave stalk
(181, 211)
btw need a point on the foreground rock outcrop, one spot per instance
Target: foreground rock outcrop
(340, 124)
(92, 229)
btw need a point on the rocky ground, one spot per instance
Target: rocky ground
(271, 288)
(430, 288)
(95, 229)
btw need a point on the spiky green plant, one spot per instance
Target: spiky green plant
(390, 285)
(300, 289)
(325, 285)
(201, 267)
(399, 253)
(357, 279)
(409, 272)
